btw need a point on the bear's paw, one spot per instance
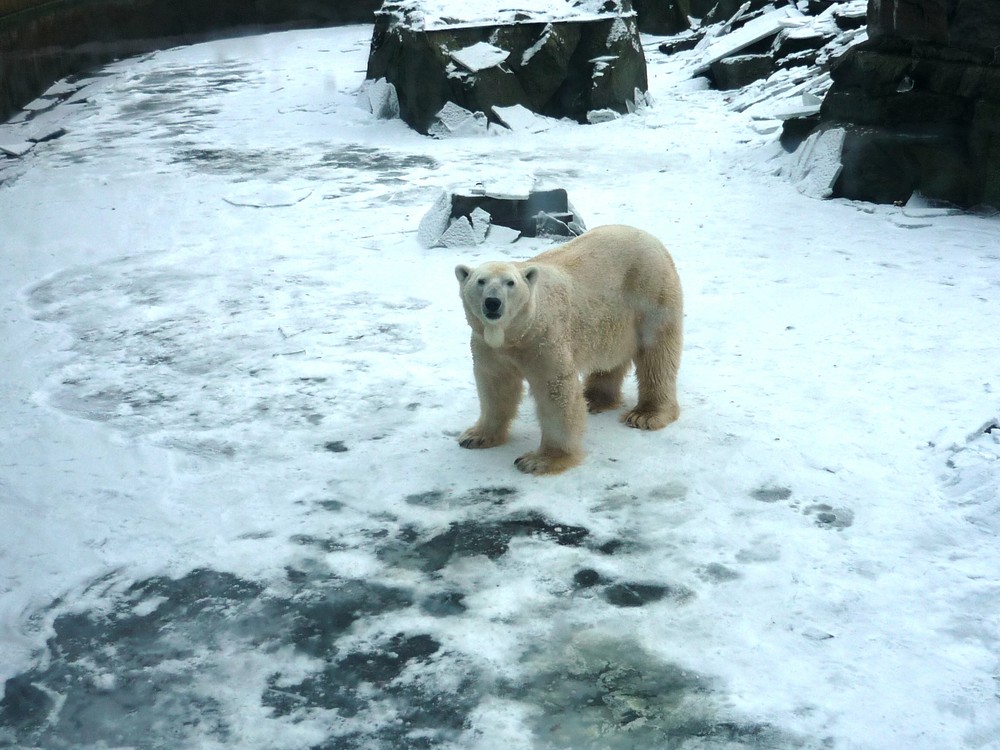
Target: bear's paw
(547, 462)
(474, 437)
(644, 419)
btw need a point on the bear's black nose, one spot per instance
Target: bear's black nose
(491, 304)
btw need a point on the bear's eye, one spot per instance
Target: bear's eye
(481, 282)
(510, 282)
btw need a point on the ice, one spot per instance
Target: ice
(479, 56)
(233, 512)
(480, 225)
(818, 163)
(752, 31)
(16, 149)
(435, 222)
(269, 197)
(456, 121)
(517, 117)
(458, 234)
(379, 97)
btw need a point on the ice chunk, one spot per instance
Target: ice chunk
(454, 120)
(752, 32)
(479, 56)
(818, 163)
(502, 235)
(435, 221)
(521, 119)
(15, 148)
(268, 197)
(480, 224)
(459, 234)
(597, 116)
(379, 97)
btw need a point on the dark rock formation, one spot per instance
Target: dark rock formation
(467, 218)
(667, 17)
(919, 104)
(42, 41)
(738, 71)
(559, 69)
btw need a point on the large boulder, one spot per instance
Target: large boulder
(919, 104)
(564, 66)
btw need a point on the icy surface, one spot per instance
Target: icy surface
(233, 513)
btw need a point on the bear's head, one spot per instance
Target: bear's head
(495, 294)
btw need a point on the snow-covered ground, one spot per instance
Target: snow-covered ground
(234, 514)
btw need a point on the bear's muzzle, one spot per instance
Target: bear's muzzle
(491, 307)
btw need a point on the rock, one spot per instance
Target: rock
(738, 71)
(472, 217)
(586, 59)
(662, 17)
(681, 43)
(920, 105)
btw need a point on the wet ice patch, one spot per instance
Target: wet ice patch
(596, 688)
(471, 538)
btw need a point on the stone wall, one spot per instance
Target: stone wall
(920, 104)
(42, 41)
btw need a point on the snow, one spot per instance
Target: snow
(441, 14)
(229, 476)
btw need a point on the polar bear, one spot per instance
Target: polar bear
(591, 307)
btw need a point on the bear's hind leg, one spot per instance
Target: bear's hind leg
(603, 389)
(656, 369)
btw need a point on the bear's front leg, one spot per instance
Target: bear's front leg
(500, 385)
(562, 412)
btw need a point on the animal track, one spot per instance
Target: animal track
(828, 517)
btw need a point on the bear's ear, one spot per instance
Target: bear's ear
(531, 275)
(462, 273)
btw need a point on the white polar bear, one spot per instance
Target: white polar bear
(593, 306)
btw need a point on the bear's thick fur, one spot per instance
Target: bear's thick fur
(593, 306)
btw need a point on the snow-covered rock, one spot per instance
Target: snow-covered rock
(553, 58)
